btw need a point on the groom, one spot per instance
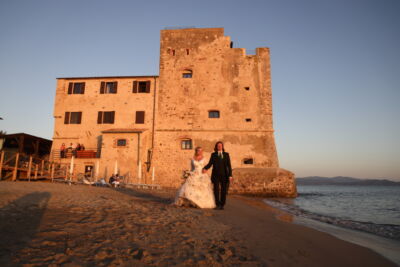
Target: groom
(221, 173)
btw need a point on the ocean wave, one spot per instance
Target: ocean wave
(310, 194)
(391, 231)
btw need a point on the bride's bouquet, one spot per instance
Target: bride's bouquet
(186, 174)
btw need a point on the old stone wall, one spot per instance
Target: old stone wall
(224, 79)
(170, 160)
(269, 182)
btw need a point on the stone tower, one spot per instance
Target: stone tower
(209, 91)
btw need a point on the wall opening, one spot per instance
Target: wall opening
(76, 88)
(73, 117)
(187, 74)
(108, 87)
(139, 117)
(213, 114)
(121, 142)
(105, 117)
(187, 144)
(248, 161)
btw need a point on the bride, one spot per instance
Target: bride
(197, 189)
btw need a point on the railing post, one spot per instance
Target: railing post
(29, 169)
(15, 172)
(42, 168)
(36, 170)
(1, 163)
(52, 172)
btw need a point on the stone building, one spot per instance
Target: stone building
(147, 127)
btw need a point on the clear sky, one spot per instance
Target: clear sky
(335, 67)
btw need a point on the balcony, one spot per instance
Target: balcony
(89, 153)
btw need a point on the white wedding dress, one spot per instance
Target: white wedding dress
(197, 189)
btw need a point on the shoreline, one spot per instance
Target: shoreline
(49, 223)
(305, 234)
(388, 248)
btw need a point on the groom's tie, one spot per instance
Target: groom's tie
(220, 155)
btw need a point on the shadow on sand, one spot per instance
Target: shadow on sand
(19, 222)
(145, 195)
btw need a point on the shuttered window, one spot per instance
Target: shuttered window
(141, 87)
(139, 117)
(108, 87)
(76, 88)
(73, 118)
(105, 117)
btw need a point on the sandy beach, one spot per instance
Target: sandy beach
(54, 224)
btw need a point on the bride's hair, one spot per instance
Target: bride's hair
(216, 146)
(197, 149)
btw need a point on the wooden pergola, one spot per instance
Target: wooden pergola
(26, 144)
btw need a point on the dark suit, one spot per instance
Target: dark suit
(221, 172)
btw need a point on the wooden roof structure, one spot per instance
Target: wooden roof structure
(27, 144)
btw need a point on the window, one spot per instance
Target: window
(213, 114)
(171, 51)
(121, 142)
(73, 118)
(108, 87)
(248, 161)
(248, 120)
(141, 87)
(105, 117)
(247, 88)
(140, 117)
(76, 88)
(186, 144)
(187, 51)
(187, 74)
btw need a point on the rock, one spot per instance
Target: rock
(271, 182)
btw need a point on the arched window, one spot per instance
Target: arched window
(248, 161)
(187, 74)
(186, 144)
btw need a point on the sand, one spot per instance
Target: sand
(52, 224)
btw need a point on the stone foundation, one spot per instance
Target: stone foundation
(267, 182)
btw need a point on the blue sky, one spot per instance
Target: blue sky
(335, 67)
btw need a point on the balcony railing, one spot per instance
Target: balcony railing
(68, 153)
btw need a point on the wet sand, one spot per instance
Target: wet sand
(60, 225)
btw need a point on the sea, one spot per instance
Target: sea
(366, 215)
